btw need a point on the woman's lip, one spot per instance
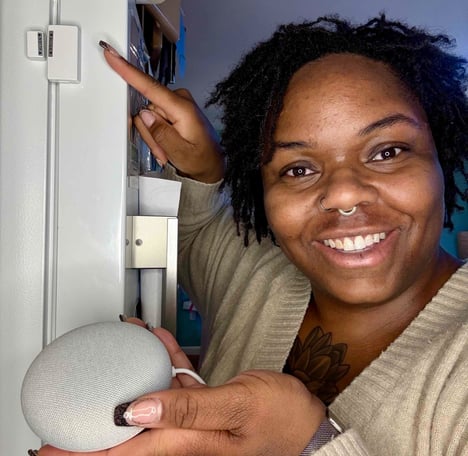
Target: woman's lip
(352, 232)
(369, 256)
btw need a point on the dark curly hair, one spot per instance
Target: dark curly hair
(251, 99)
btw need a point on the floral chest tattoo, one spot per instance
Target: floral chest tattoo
(318, 363)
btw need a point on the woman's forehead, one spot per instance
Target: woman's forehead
(340, 70)
(341, 84)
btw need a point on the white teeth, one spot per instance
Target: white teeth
(359, 242)
(350, 244)
(369, 240)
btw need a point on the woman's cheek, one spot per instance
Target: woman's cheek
(285, 214)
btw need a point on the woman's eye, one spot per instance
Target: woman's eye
(387, 154)
(298, 171)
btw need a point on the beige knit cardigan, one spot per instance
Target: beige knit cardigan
(412, 400)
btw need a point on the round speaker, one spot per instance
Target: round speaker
(71, 389)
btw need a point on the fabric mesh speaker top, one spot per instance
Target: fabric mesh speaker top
(71, 389)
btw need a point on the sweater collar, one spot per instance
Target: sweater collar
(444, 313)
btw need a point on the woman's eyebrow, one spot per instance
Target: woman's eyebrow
(389, 121)
(291, 145)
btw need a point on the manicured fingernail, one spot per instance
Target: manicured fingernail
(149, 327)
(123, 317)
(140, 413)
(109, 48)
(160, 163)
(119, 412)
(147, 117)
(33, 453)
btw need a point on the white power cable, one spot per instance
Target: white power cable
(181, 370)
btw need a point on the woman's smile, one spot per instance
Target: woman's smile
(369, 251)
(353, 243)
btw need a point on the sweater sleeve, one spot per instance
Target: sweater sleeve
(208, 241)
(347, 444)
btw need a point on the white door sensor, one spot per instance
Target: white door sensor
(63, 53)
(35, 45)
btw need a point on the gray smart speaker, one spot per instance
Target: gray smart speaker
(71, 389)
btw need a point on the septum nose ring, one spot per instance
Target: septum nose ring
(348, 212)
(345, 212)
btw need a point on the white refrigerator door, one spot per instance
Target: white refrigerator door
(63, 192)
(91, 172)
(23, 139)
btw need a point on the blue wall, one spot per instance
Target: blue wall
(460, 222)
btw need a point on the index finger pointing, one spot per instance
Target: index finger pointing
(149, 87)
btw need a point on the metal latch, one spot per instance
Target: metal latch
(151, 243)
(146, 242)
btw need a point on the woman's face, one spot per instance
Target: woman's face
(351, 135)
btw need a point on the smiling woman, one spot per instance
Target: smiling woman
(381, 161)
(316, 263)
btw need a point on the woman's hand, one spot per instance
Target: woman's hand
(178, 357)
(256, 413)
(173, 125)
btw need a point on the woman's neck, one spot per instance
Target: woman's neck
(337, 340)
(363, 324)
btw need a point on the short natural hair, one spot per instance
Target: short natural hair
(251, 99)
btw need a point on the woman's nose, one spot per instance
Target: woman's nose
(347, 188)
